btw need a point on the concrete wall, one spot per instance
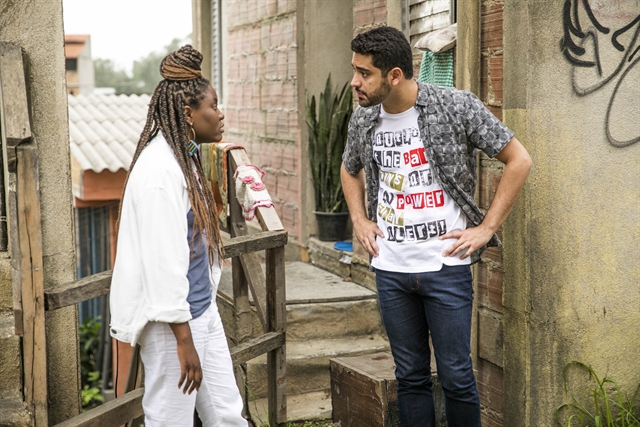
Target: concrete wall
(571, 246)
(38, 28)
(323, 47)
(86, 76)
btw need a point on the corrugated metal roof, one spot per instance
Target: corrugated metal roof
(104, 129)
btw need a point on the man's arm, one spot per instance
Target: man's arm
(517, 165)
(364, 229)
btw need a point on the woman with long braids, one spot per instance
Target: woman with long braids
(168, 261)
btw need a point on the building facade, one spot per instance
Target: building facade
(564, 76)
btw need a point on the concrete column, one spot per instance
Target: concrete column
(201, 34)
(38, 28)
(570, 255)
(324, 38)
(467, 73)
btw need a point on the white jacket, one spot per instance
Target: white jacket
(152, 260)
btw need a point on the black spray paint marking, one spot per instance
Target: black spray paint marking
(574, 51)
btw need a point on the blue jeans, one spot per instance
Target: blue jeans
(414, 305)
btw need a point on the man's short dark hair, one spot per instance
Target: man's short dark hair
(388, 47)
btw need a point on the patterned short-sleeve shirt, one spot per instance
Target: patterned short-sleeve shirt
(453, 124)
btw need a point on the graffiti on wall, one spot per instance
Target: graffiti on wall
(602, 43)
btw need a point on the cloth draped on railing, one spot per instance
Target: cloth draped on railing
(250, 190)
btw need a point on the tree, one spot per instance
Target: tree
(145, 76)
(107, 75)
(147, 69)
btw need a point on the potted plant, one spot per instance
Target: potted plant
(327, 138)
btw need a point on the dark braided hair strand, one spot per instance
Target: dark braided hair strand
(182, 85)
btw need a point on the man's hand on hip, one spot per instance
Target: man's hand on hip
(366, 232)
(469, 240)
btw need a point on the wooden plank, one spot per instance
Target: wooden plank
(254, 242)
(267, 217)
(257, 346)
(32, 281)
(277, 322)
(114, 413)
(134, 375)
(81, 290)
(16, 257)
(134, 381)
(14, 128)
(255, 277)
(15, 108)
(242, 309)
(257, 285)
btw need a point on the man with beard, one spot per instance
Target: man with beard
(417, 145)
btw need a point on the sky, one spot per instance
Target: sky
(127, 30)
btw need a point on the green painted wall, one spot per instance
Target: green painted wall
(572, 245)
(37, 27)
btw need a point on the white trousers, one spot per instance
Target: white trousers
(218, 401)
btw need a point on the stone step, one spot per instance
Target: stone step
(320, 305)
(300, 407)
(354, 265)
(308, 363)
(333, 320)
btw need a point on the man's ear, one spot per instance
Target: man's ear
(187, 114)
(396, 76)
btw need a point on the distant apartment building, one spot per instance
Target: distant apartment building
(79, 64)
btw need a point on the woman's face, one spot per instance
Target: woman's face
(207, 118)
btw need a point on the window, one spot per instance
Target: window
(71, 64)
(427, 15)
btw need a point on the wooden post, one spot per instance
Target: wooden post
(29, 242)
(15, 129)
(240, 286)
(277, 322)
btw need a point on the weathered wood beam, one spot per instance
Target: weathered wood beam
(15, 108)
(257, 346)
(114, 413)
(28, 271)
(254, 276)
(267, 217)
(277, 322)
(15, 128)
(237, 246)
(81, 290)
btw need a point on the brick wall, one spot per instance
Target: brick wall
(368, 14)
(489, 295)
(261, 99)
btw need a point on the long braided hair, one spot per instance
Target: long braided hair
(182, 85)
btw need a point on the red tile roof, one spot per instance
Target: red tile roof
(73, 44)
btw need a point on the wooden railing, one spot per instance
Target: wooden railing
(31, 300)
(268, 290)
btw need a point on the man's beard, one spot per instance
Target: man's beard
(377, 96)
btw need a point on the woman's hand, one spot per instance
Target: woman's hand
(190, 369)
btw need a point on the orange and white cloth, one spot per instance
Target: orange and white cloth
(250, 190)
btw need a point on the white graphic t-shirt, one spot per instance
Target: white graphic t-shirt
(413, 209)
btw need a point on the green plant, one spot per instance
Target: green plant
(610, 406)
(91, 396)
(90, 376)
(327, 139)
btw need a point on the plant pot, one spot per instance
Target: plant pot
(331, 225)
